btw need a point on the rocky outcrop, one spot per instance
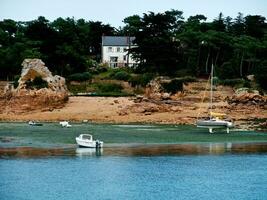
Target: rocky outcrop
(154, 89)
(24, 99)
(33, 68)
(247, 98)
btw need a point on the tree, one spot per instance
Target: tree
(238, 26)
(157, 49)
(255, 26)
(218, 24)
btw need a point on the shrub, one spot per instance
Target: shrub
(16, 81)
(261, 75)
(37, 83)
(80, 77)
(233, 82)
(109, 87)
(227, 70)
(173, 86)
(188, 79)
(121, 75)
(142, 79)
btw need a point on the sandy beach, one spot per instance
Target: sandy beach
(126, 110)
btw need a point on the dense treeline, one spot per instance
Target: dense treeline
(67, 46)
(167, 44)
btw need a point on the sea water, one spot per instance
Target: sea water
(137, 162)
(135, 177)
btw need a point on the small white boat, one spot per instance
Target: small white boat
(215, 120)
(65, 124)
(214, 123)
(33, 123)
(86, 140)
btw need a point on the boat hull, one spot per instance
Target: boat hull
(214, 124)
(35, 124)
(89, 144)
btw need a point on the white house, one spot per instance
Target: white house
(115, 51)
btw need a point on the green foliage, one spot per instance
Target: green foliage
(233, 82)
(166, 45)
(261, 75)
(141, 79)
(16, 81)
(174, 86)
(109, 87)
(37, 83)
(188, 79)
(77, 88)
(122, 75)
(80, 77)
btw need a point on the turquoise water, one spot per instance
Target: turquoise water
(138, 162)
(135, 177)
(52, 135)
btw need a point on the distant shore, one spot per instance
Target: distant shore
(125, 110)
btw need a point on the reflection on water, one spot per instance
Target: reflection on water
(140, 150)
(89, 152)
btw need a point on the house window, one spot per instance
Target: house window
(109, 49)
(118, 49)
(124, 57)
(113, 61)
(124, 49)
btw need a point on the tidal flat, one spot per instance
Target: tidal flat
(22, 140)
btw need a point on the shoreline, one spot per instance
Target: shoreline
(125, 110)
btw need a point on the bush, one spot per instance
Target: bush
(233, 82)
(227, 71)
(142, 79)
(109, 87)
(16, 81)
(188, 79)
(121, 75)
(80, 77)
(37, 83)
(173, 86)
(261, 75)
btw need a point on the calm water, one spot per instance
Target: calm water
(135, 177)
(52, 135)
(138, 162)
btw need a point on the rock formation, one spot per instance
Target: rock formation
(24, 99)
(247, 98)
(33, 68)
(155, 90)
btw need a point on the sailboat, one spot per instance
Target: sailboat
(215, 120)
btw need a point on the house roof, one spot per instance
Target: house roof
(117, 40)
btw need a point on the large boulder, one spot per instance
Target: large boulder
(33, 68)
(24, 99)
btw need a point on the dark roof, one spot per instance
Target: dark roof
(117, 40)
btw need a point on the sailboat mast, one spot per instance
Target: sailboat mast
(211, 89)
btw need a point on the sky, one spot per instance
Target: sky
(114, 11)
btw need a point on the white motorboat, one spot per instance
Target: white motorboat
(65, 124)
(33, 123)
(86, 140)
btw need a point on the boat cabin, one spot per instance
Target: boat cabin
(86, 137)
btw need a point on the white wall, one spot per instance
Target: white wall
(116, 51)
